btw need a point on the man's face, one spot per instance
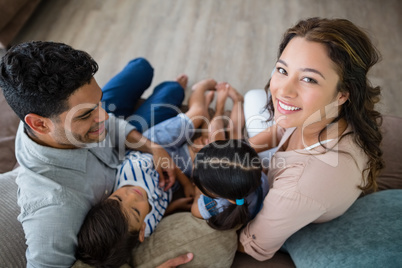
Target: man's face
(84, 121)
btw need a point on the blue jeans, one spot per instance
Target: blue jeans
(122, 92)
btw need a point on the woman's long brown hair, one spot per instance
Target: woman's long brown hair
(353, 54)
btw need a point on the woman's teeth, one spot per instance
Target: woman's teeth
(288, 108)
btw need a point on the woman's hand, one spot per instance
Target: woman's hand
(172, 263)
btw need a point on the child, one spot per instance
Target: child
(231, 184)
(113, 227)
(177, 135)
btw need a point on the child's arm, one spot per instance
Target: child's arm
(187, 185)
(267, 139)
(180, 204)
(194, 208)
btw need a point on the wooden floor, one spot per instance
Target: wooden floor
(229, 40)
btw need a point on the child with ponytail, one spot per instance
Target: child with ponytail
(230, 182)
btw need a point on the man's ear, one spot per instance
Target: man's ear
(343, 97)
(38, 123)
(141, 236)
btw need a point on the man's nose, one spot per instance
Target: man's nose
(102, 115)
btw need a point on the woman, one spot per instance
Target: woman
(326, 130)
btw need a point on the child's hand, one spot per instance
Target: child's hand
(181, 204)
(184, 203)
(189, 190)
(188, 187)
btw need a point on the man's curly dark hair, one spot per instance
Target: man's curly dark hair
(39, 77)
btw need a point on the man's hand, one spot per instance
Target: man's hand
(172, 263)
(165, 166)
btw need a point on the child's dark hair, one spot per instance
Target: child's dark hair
(229, 169)
(105, 239)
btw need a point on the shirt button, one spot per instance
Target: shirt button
(253, 236)
(106, 192)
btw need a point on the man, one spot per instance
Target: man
(68, 146)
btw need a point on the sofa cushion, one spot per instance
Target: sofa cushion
(391, 176)
(369, 234)
(12, 240)
(181, 233)
(9, 123)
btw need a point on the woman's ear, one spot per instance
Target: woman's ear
(141, 236)
(343, 97)
(38, 123)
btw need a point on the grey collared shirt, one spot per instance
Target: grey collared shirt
(57, 187)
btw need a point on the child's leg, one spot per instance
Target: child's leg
(163, 104)
(237, 120)
(122, 91)
(216, 128)
(199, 102)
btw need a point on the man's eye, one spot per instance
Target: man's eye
(85, 117)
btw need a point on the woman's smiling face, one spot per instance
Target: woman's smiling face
(304, 85)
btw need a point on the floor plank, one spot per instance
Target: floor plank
(229, 40)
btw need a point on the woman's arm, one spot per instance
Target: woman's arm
(314, 188)
(280, 217)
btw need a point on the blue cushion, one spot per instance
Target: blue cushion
(369, 234)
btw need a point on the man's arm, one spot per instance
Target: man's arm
(163, 162)
(50, 234)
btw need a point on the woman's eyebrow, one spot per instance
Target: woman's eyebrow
(310, 70)
(313, 71)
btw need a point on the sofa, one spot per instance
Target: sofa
(369, 234)
(13, 15)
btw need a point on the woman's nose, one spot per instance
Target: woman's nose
(288, 88)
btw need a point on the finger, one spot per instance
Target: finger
(161, 177)
(179, 260)
(189, 199)
(171, 175)
(169, 184)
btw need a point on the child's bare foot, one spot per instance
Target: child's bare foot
(234, 94)
(222, 94)
(209, 97)
(206, 84)
(182, 80)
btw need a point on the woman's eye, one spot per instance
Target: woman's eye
(309, 80)
(281, 70)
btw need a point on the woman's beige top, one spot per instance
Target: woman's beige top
(306, 186)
